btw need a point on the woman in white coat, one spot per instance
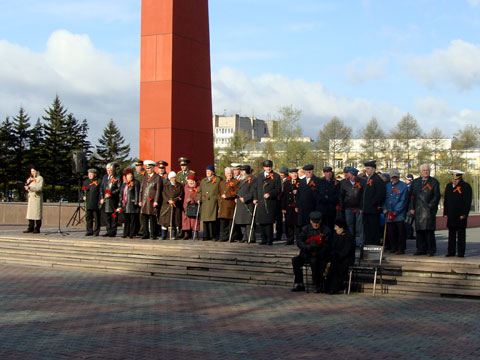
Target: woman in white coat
(34, 187)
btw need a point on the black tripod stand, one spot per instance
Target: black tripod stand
(59, 230)
(77, 217)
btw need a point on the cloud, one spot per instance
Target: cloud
(474, 2)
(362, 70)
(88, 81)
(261, 96)
(458, 65)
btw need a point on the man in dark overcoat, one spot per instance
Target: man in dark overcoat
(306, 197)
(227, 193)
(91, 196)
(288, 201)
(150, 199)
(245, 194)
(456, 207)
(268, 187)
(424, 199)
(109, 196)
(138, 175)
(373, 198)
(327, 197)
(207, 196)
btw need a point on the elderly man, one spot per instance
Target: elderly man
(109, 197)
(34, 187)
(456, 207)
(207, 196)
(327, 197)
(395, 210)
(150, 198)
(226, 203)
(91, 196)
(373, 198)
(424, 199)
(288, 200)
(306, 196)
(349, 200)
(268, 188)
(245, 207)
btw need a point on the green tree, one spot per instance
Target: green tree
(436, 146)
(112, 147)
(334, 138)
(404, 134)
(374, 142)
(467, 138)
(21, 133)
(35, 144)
(7, 154)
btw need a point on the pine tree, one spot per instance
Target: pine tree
(21, 132)
(35, 145)
(7, 155)
(112, 147)
(57, 150)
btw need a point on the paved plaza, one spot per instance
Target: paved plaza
(52, 314)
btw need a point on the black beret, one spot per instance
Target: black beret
(372, 163)
(316, 216)
(293, 170)
(327, 169)
(308, 167)
(346, 169)
(268, 163)
(247, 168)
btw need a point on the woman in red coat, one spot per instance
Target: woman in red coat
(190, 223)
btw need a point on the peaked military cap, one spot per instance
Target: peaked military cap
(456, 174)
(183, 161)
(268, 163)
(138, 162)
(162, 163)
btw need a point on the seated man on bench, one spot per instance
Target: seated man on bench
(313, 242)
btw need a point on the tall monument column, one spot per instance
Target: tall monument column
(175, 83)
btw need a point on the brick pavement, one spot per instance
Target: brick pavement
(52, 314)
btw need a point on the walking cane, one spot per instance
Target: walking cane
(251, 225)
(196, 222)
(233, 224)
(171, 221)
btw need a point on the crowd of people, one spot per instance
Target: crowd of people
(326, 216)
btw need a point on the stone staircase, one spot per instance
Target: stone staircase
(230, 262)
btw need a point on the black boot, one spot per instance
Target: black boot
(153, 230)
(38, 224)
(186, 234)
(164, 234)
(30, 226)
(174, 234)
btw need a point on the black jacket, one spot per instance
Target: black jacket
(266, 208)
(351, 195)
(424, 199)
(306, 199)
(131, 201)
(313, 242)
(457, 202)
(246, 190)
(91, 191)
(373, 195)
(327, 196)
(111, 186)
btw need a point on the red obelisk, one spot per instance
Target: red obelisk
(175, 83)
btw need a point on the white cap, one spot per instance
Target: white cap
(149, 163)
(172, 174)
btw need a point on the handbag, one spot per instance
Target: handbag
(191, 210)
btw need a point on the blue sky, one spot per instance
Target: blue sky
(352, 59)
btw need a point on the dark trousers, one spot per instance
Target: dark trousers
(315, 264)
(129, 224)
(138, 225)
(278, 224)
(91, 217)
(329, 221)
(266, 231)
(245, 231)
(456, 240)
(225, 225)
(292, 230)
(149, 226)
(371, 225)
(396, 236)
(426, 242)
(209, 230)
(111, 223)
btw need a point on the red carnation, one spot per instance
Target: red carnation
(337, 207)
(84, 188)
(355, 211)
(114, 215)
(108, 192)
(150, 199)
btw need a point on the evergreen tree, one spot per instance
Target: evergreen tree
(21, 132)
(7, 155)
(112, 147)
(57, 150)
(35, 145)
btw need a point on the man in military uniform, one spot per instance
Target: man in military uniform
(306, 198)
(424, 199)
(287, 201)
(245, 194)
(313, 243)
(91, 196)
(109, 197)
(184, 170)
(162, 171)
(268, 187)
(150, 199)
(327, 197)
(236, 170)
(373, 198)
(207, 196)
(456, 207)
(138, 175)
